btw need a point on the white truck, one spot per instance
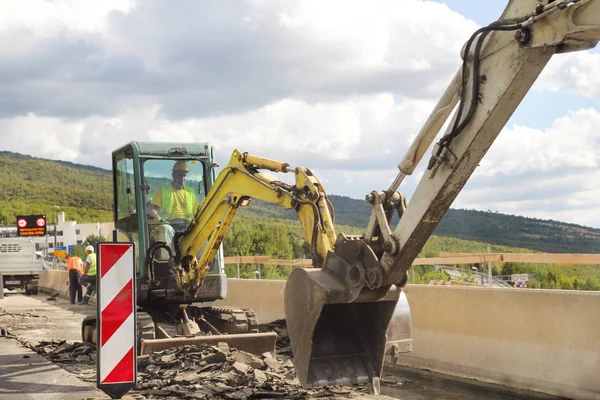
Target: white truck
(20, 266)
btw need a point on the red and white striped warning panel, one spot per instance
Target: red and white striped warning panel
(116, 373)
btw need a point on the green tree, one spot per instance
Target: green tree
(94, 240)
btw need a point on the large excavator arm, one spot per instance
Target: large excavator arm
(240, 181)
(504, 60)
(338, 317)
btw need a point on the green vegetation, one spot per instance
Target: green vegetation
(569, 278)
(32, 185)
(273, 239)
(79, 250)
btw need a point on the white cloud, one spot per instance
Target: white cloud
(572, 73)
(43, 17)
(340, 87)
(354, 135)
(204, 59)
(551, 173)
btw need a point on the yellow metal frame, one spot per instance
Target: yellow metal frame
(237, 183)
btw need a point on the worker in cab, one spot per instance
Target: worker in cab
(89, 275)
(174, 202)
(74, 272)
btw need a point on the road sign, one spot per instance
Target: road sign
(31, 225)
(116, 370)
(60, 251)
(519, 278)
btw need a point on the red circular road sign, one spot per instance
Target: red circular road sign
(22, 223)
(40, 222)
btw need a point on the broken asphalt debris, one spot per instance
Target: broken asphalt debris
(204, 371)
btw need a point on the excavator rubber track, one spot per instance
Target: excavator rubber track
(239, 327)
(145, 326)
(231, 319)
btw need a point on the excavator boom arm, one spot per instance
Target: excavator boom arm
(500, 70)
(237, 183)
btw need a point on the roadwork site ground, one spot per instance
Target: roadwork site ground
(45, 336)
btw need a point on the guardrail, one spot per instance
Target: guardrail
(448, 258)
(540, 258)
(303, 262)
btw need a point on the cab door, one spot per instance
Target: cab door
(126, 204)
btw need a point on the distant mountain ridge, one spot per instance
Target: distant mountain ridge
(20, 156)
(33, 185)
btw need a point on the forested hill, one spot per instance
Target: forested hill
(515, 231)
(30, 185)
(501, 229)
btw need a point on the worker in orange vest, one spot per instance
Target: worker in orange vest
(74, 271)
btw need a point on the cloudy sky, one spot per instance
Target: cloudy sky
(339, 86)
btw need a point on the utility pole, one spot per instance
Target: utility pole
(55, 218)
(489, 268)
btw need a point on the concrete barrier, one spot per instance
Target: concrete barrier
(264, 296)
(539, 340)
(53, 282)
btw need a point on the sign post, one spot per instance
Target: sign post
(116, 369)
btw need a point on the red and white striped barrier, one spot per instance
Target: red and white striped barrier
(116, 373)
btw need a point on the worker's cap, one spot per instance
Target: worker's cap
(181, 166)
(90, 248)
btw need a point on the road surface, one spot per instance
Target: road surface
(32, 319)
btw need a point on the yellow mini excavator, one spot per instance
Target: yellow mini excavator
(170, 205)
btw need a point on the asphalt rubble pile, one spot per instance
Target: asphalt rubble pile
(77, 358)
(220, 372)
(204, 372)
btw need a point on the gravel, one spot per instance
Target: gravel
(203, 372)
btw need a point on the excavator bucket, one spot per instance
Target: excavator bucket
(341, 335)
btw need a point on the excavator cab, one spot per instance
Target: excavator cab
(148, 214)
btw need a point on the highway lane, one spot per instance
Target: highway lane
(35, 318)
(26, 375)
